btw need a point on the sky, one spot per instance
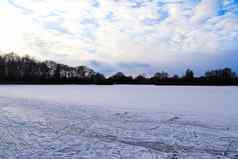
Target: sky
(133, 36)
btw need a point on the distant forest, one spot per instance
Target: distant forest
(15, 69)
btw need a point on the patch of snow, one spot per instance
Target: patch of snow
(134, 122)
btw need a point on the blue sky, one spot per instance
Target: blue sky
(133, 36)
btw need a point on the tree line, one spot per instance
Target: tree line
(15, 69)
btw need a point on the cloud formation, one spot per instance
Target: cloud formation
(120, 32)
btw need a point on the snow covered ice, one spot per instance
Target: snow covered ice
(109, 122)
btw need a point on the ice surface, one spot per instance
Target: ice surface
(109, 122)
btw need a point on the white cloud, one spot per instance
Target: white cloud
(155, 31)
(206, 9)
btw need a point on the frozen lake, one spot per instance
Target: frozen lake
(121, 121)
(222, 101)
